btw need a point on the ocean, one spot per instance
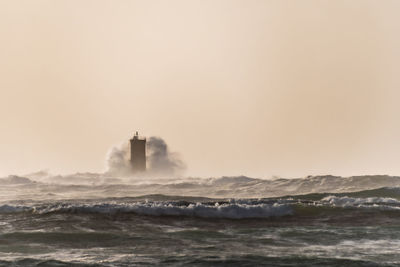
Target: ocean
(88, 219)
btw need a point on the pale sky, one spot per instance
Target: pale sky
(259, 88)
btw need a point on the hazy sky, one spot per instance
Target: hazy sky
(260, 88)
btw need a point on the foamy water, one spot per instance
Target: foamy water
(99, 219)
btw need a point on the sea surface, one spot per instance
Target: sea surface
(88, 219)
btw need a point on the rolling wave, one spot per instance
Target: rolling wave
(202, 210)
(379, 200)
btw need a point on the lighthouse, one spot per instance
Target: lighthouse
(138, 153)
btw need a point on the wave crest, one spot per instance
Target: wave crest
(202, 210)
(358, 202)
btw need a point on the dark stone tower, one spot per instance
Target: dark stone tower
(138, 153)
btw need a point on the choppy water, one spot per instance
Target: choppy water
(93, 220)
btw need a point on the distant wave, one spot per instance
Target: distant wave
(14, 179)
(90, 185)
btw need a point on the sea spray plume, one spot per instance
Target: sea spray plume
(161, 160)
(118, 160)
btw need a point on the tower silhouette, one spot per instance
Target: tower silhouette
(138, 153)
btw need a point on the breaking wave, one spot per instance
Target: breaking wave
(358, 202)
(216, 210)
(321, 204)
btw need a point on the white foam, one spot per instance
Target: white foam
(352, 202)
